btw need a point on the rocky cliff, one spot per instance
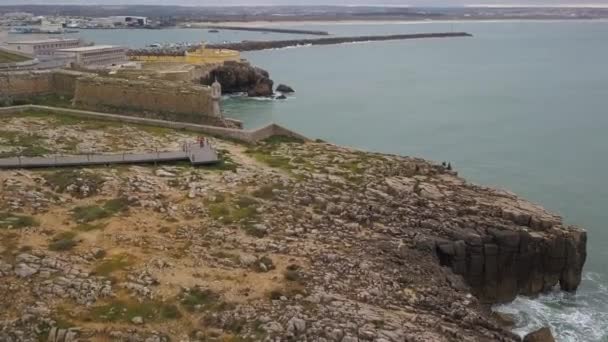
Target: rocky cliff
(286, 240)
(241, 77)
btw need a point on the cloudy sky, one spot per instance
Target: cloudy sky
(602, 3)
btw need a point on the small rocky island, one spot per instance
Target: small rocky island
(285, 240)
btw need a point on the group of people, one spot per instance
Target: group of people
(201, 141)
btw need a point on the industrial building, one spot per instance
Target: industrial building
(45, 47)
(129, 21)
(95, 56)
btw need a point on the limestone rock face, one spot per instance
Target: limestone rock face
(540, 335)
(501, 262)
(241, 77)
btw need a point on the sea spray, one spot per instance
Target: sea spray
(567, 314)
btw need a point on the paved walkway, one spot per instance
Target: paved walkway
(193, 152)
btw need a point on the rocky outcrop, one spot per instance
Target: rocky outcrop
(241, 77)
(540, 335)
(285, 89)
(534, 254)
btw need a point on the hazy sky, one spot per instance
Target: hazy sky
(603, 3)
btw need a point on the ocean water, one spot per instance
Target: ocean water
(521, 105)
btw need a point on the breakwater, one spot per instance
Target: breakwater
(277, 44)
(267, 29)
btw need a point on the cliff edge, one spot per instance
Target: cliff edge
(286, 240)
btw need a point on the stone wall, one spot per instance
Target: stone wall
(152, 98)
(147, 98)
(32, 83)
(248, 136)
(63, 82)
(23, 84)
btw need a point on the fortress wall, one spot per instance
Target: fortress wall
(64, 82)
(248, 136)
(24, 84)
(151, 98)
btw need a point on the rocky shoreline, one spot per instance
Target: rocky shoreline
(278, 44)
(287, 240)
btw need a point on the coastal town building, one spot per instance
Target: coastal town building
(44, 47)
(129, 21)
(201, 55)
(97, 55)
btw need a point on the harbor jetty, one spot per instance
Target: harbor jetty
(267, 29)
(278, 44)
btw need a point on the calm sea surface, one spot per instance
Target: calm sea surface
(521, 105)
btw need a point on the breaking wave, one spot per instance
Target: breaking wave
(580, 317)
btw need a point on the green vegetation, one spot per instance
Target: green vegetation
(125, 311)
(14, 221)
(60, 180)
(243, 209)
(51, 100)
(24, 144)
(198, 299)
(278, 162)
(86, 227)
(266, 191)
(282, 139)
(113, 264)
(8, 57)
(266, 152)
(91, 213)
(63, 242)
(225, 164)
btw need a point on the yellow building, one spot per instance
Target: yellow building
(201, 55)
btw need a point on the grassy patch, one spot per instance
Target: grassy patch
(125, 311)
(63, 242)
(243, 210)
(278, 162)
(8, 57)
(24, 144)
(225, 164)
(115, 263)
(86, 227)
(281, 139)
(61, 180)
(91, 213)
(14, 221)
(51, 100)
(266, 191)
(198, 299)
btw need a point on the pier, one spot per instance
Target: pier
(278, 44)
(267, 29)
(199, 153)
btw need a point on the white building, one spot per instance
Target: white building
(129, 21)
(45, 47)
(96, 56)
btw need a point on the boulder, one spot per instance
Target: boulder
(241, 77)
(540, 335)
(262, 89)
(285, 89)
